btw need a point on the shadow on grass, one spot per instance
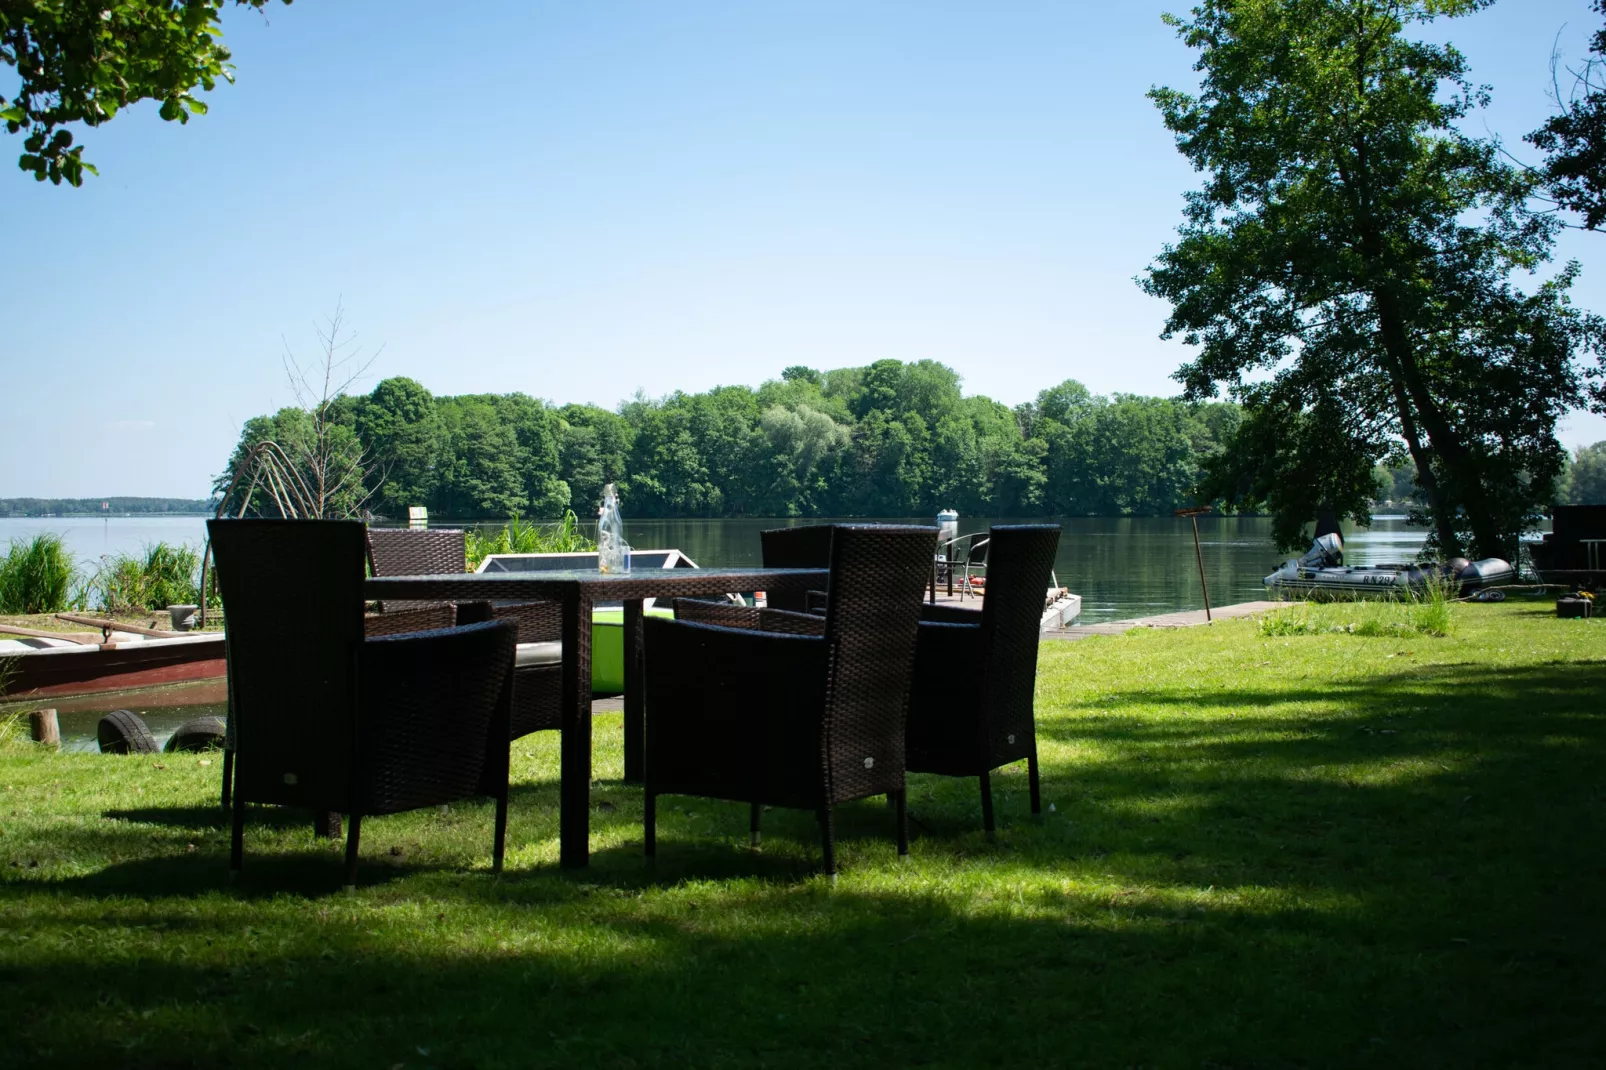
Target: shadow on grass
(797, 976)
(1406, 873)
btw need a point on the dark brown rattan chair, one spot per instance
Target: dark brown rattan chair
(537, 681)
(976, 670)
(326, 719)
(796, 720)
(801, 547)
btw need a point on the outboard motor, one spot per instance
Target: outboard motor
(1325, 552)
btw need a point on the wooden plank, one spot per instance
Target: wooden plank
(39, 633)
(116, 626)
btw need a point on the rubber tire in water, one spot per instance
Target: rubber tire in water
(124, 732)
(198, 733)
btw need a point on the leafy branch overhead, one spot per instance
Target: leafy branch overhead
(1575, 138)
(83, 61)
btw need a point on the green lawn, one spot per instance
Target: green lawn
(1306, 850)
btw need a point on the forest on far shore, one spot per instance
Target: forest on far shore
(890, 439)
(102, 506)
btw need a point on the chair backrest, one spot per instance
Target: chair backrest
(801, 547)
(878, 573)
(293, 607)
(1021, 560)
(417, 551)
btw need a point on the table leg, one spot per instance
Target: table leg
(635, 693)
(574, 802)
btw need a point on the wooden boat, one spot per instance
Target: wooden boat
(43, 664)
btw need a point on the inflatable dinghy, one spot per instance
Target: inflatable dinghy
(1322, 570)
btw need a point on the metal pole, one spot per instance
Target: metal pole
(1198, 556)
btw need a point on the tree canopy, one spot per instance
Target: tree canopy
(890, 439)
(1345, 271)
(83, 61)
(1574, 140)
(1585, 480)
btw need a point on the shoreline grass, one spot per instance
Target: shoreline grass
(1311, 850)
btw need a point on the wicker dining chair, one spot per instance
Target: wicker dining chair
(808, 546)
(976, 670)
(327, 719)
(795, 720)
(537, 679)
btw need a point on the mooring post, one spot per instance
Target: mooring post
(44, 728)
(1198, 555)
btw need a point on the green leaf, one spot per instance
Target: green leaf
(13, 114)
(196, 106)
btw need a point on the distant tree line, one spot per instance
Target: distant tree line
(1583, 481)
(890, 439)
(92, 506)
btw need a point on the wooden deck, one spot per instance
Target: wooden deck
(1190, 619)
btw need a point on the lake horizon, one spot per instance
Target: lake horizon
(1123, 567)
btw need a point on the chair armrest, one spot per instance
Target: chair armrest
(790, 623)
(538, 622)
(949, 614)
(723, 613)
(945, 698)
(425, 618)
(473, 612)
(727, 615)
(734, 712)
(432, 716)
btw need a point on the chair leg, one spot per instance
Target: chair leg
(828, 840)
(649, 824)
(237, 839)
(499, 848)
(1034, 782)
(902, 805)
(326, 824)
(228, 777)
(987, 804)
(352, 838)
(754, 816)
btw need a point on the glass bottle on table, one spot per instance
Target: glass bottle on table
(613, 555)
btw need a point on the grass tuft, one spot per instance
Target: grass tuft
(163, 575)
(36, 576)
(1420, 613)
(525, 537)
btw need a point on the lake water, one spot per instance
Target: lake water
(1122, 568)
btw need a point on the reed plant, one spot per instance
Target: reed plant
(37, 575)
(162, 575)
(519, 536)
(1423, 611)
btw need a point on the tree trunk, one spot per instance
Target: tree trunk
(1327, 520)
(1411, 393)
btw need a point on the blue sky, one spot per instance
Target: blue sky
(580, 200)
